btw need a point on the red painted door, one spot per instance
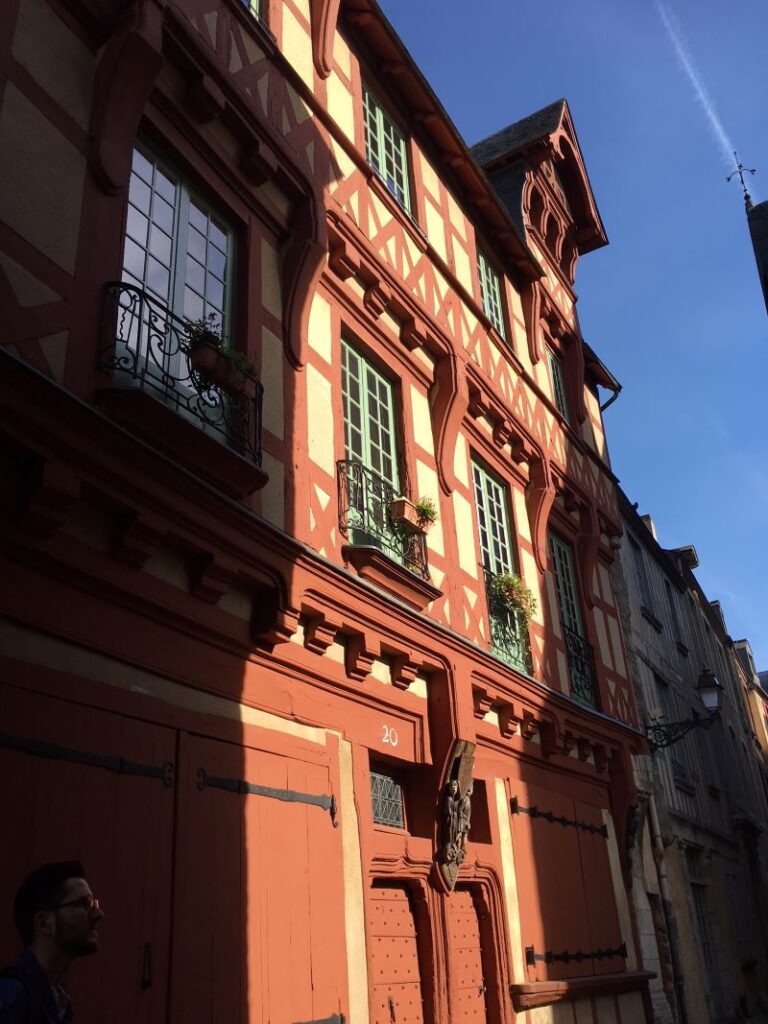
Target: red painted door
(393, 966)
(259, 926)
(465, 959)
(64, 799)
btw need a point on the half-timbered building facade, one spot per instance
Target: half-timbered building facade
(310, 648)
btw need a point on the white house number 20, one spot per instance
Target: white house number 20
(390, 736)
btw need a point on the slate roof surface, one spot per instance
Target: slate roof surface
(515, 136)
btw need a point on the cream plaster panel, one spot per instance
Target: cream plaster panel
(461, 460)
(272, 194)
(582, 1009)
(273, 494)
(237, 602)
(38, 649)
(531, 577)
(509, 876)
(436, 229)
(419, 687)
(429, 178)
(271, 290)
(354, 903)
(381, 215)
(42, 207)
(437, 576)
(618, 656)
(320, 420)
(272, 379)
(390, 322)
(485, 424)
(336, 652)
(301, 108)
(520, 511)
(341, 105)
(492, 717)
(620, 893)
(428, 487)
(55, 58)
(605, 1009)
(631, 1008)
(381, 670)
(605, 585)
(28, 290)
(463, 268)
(341, 54)
(602, 638)
(541, 1015)
(320, 332)
(457, 218)
(297, 46)
(552, 601)
(465, 534)
(54, 348)
(422, 420)
(169, 565)
(426, 360)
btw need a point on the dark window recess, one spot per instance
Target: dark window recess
(387, 800)
(480, 825)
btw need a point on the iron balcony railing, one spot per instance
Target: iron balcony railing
(147, 346)
(581, 662)
(509, 637)
(365, 517)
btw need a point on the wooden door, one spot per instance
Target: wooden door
(393, 961)
(88, 785)
(467, 978)
(259, 926)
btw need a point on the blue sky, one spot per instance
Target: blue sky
(673, 305)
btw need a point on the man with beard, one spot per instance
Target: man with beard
(56, 916)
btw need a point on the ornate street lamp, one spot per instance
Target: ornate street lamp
(710, 690)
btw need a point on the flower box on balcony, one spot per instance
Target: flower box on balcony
(220, 367)
(413, 516)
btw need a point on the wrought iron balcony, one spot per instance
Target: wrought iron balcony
(581, 663)
(146, 347)
(509, 637)
(365, 517)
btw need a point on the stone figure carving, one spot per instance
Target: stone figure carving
(457, 813)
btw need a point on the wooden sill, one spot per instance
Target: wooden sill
(373, 565)
(529, 994)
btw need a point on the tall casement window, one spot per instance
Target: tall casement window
(368, 475)
(641, 573)
(580, 654)
(386, 149)
(508, 636)
(558, 386)
(490, 293)
(177, 247)
(671, 602)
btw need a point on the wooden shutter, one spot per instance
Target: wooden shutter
(393, 960)
(466, 959)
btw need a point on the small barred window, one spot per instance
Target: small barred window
(387, 798)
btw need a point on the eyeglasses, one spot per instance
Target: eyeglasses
(88, 903)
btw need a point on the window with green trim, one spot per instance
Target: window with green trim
(490, 293)
(558, 386)
(254, 6)
(177, 247)
(370, 473)
(386, 149)
(579, 651)
(509, 638)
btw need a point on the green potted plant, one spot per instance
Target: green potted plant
(509, 594)
(225, 367)
(413, 516)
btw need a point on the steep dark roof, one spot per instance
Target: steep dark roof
(509, 183)
(758, 228)
(520, 134)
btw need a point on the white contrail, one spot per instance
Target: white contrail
(694, 77)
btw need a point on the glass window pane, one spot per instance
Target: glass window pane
(165, 187)
(136, 226)
(217, 235)
(160, 245)
(214, 291)
(133, 259)
(142, 166)
(195, 277)
(193, 305)
(196, 244)
(140, 194)
(197, 218)
(162, 214)
(158, 278)
(217, 261)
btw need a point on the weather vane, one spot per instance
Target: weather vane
(740, 169)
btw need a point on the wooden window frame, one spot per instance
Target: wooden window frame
(375, 113)
(491, 293)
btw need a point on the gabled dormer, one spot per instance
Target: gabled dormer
(537, 169)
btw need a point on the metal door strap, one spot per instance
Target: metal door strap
(291, 796)
(119, 765)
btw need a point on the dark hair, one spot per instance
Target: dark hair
(40, 890)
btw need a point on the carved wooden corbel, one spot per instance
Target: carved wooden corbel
(136, 539)
(47, 493)
(260, 162)
(358, 658)
(539, 496)
(482, 701)
(319, 633)
(344, 259)
(403, 671)
(448, 401)
(303, 263)
(376, 298)
(324, 15)
(126, 74)
(271, 624)
(210, 578)
(205, 98)
(413, 333)
(509, 720)
(529, 725)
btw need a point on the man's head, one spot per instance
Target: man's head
(55, 910)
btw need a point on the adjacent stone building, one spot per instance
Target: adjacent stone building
(698, 862)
